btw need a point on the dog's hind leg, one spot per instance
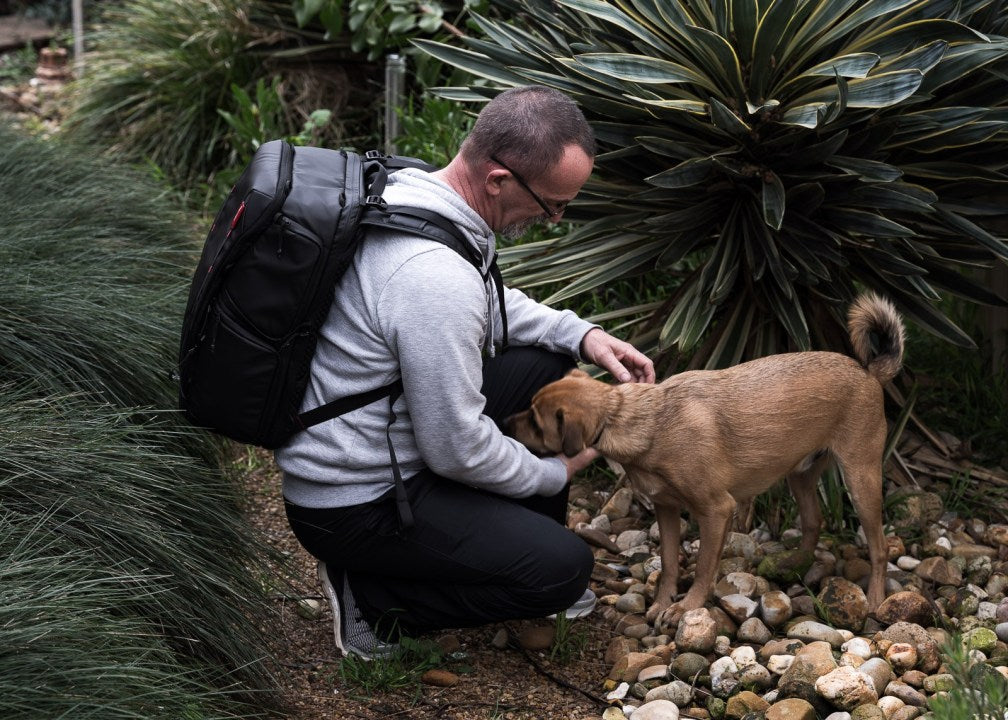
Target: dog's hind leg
(863, 478)
(803, 484)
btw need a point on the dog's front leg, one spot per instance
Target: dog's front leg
(668, 543)
(714, 519)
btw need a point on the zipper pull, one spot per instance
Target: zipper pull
(284, 223)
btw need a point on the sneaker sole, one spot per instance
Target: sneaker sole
(577, 610)
(330, 594)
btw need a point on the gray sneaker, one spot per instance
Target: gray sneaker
(352, 633)
(584, 605)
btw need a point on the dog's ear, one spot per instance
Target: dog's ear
(571, 432)
(577, 373)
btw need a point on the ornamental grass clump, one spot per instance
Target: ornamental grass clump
(762, 161)
(130, 585)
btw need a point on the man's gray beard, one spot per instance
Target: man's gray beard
(515, 231)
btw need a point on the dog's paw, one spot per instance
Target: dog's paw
(654, 611)
(667, 619)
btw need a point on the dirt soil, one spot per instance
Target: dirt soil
(502, 684)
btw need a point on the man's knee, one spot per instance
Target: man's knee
(565, 568)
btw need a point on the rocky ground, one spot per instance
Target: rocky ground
(786, 635)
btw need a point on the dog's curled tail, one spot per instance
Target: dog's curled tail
(876, 332)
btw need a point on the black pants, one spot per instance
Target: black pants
(472, 557)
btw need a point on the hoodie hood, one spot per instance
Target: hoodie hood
(415, 188)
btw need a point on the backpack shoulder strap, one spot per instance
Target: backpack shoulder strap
(344, 405)
(424, 223)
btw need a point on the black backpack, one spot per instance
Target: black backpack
(264, 285)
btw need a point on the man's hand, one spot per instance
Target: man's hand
(625, 362)
(580, 461)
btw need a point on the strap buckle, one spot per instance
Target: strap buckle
(376, 201)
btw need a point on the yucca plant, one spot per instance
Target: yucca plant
(761, 161)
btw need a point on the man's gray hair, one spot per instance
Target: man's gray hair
(528, 128)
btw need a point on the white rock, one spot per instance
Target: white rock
(907, 563)
(677, 692)
(721, 666)
(743, 582)
(977, 590)
(620, 692)
(657, 710)
(722, 645)
(310, 608)
(889, 705)
(810, 631)
(697, 632)
(838, 716)
(723, 676)
(775, 608)
(739, 607)
(743, 656)
(846, 688)
(987, 610)
(630, 539)
(859, 646)
(778, 664)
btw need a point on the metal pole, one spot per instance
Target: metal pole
(77, 14)
(395, 76)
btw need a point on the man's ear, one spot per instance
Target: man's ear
(494, 179)
(572, 434)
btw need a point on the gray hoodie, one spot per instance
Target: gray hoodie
(412, 308)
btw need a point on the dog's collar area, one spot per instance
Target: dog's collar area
(598, 435)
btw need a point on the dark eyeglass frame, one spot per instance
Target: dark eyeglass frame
(532, 193)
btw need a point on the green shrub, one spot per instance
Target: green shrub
(161, 69)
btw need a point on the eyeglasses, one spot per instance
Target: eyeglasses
(561, 206)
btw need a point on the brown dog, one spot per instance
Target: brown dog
(709, 439)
